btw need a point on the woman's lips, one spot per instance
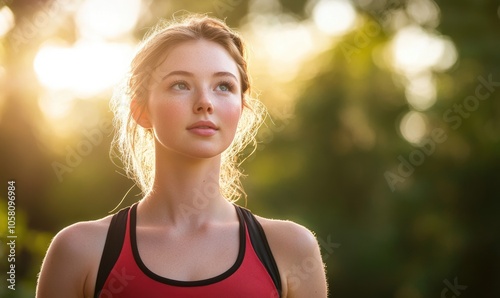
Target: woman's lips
(203, 128)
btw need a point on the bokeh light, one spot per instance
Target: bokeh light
(86, 68)
(355, 89)
(334, 17)
(414, 127)
(415, 50)
(421, 91)
(56, 105)
(424, 12)
(282, 46)
(7, 20)
(107, 19)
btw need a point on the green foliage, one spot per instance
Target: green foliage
(325, 167)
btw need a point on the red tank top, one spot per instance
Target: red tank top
(130, 278)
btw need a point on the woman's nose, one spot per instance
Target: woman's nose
(203, 103)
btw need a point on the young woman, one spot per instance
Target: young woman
(182, 121)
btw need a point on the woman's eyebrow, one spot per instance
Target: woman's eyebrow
(190, 74)
(179, 73)
(225, 74)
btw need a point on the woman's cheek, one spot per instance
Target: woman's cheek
(235, 114)
(168, 106)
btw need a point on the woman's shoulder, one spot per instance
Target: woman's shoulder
(84, 231)
(298, 257)
(82, 241)
(72, 259)
(288, 236)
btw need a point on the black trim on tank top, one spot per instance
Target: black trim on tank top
(116, 236)
(181, 283)
(261, 247)
(112, 248)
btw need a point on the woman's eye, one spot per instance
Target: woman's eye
(180, 86)
(225, 87)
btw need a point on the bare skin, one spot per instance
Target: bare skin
(205, 86)
(70, 267)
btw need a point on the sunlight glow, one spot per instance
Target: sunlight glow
(86, 69)
(282, 46)
(108, 19)
(415, 54)
(55, 104)
(449, 56)
(413, 127)
(6, 20)
(424, 12)
(415, 50)
(334, 17)
(421, 91)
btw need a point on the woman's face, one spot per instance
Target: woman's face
(195, 104)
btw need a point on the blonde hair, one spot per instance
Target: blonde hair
(135, 144)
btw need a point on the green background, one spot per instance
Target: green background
(439, 225)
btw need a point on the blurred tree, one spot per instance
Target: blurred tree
(323, 168)
(329, 163)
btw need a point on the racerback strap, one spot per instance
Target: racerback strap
(261, 246)
(112, 248)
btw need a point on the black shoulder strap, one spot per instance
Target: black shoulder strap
(261, 247)
(112, 248)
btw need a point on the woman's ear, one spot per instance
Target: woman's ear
(140, 114)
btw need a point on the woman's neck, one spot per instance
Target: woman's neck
(186, 192)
